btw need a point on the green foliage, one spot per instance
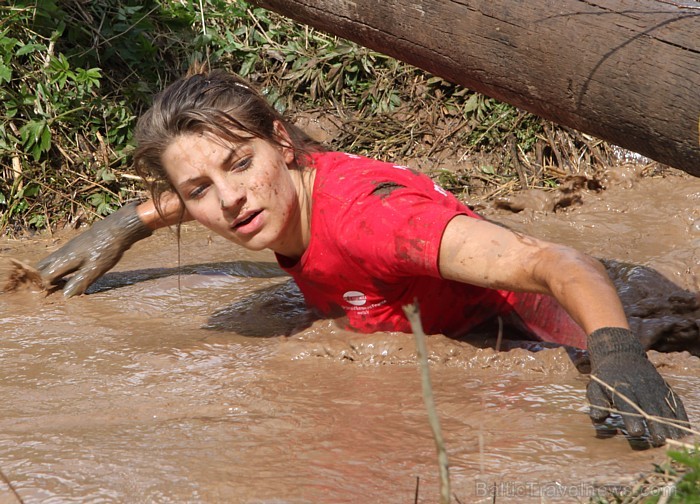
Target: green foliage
(676, 481)
(494, 122)
(64, 120)
(687, 486)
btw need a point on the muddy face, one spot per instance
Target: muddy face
(245, 192)
(181, 384)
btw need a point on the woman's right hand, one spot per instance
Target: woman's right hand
(94, 252)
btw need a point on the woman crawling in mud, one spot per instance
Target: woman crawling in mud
(362, 238)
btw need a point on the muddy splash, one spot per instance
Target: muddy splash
(17, 276)
(210, 382)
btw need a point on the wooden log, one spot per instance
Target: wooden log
(626, 71)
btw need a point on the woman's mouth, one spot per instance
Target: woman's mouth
(247, 223)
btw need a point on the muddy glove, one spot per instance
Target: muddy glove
(618, 359)
(95, 251)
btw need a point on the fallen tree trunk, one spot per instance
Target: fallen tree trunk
(625, 71)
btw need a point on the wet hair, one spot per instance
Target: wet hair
(217, 103)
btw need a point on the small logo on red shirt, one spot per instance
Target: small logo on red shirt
(355, 298)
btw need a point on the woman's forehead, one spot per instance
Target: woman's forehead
(229, 137)
(233, 141)
(193, 145)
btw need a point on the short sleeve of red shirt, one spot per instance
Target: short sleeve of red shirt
(397, 230)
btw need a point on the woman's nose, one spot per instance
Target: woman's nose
(231, 197)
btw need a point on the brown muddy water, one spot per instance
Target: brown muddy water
(169, 384)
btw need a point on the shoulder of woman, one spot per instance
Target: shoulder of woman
(343, 172)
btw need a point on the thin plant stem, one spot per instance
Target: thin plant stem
(413, 314)
(640, 411)
(9, 484)
(499, 339)
(204, 24)
(681, 444)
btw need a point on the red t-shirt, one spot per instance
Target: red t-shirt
(375, 238)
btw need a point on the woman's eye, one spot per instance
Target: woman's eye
(197, 192)
(242, 164)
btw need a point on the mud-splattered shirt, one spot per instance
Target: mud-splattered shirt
(375, 238)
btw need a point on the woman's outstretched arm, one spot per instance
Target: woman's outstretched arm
(623, 379)
(91, 254)
(482, 253)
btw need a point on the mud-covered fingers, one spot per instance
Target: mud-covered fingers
(673, 420)
(665, 428)
(603, 401)
(628, 405)
(658, 430)
(57, 265)
(599, 401)
(79, 282)
(623, 400)
(663, 414)
(675, 405)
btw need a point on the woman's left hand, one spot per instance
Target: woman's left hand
(625, 381)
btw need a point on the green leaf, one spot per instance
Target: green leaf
(36, 137)
(30, 48)
(59, 70)
(106, 175)
(685, 458)
(247, 65)
(471, 104)
(45, 139)
(37, 220)
(30, 132)
(7, 43)
(58, 32)
(31, 190)
(101, 202)
(5, 73)
(89, 78)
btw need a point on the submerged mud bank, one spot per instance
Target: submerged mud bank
(204, 379)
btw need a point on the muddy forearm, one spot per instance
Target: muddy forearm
(581, 284)
(171, 212)
(481, 253)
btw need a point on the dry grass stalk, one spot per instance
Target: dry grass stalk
(12, 488)
(640, 411)
(413, 315)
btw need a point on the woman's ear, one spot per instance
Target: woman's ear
(285, 142)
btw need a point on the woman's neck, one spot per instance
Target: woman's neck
(300, 235)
